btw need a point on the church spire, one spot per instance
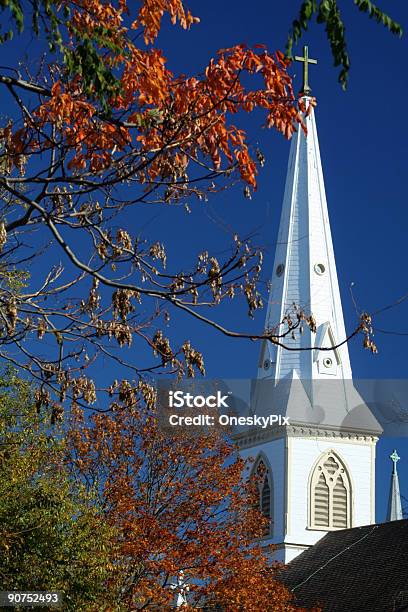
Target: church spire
(320, 463)
(304, 272)
(394, 503)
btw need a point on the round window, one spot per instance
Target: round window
(327, 362)
(266, 364)
(319, 268)
(280, 269)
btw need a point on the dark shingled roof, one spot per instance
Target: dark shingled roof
(364, 569)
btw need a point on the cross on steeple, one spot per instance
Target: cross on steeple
(394, 458)
(306, 61)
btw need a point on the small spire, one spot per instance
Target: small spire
(394, 503)
(394, 458)
(306, 90)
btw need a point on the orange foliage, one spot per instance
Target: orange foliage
(90, 14)
(181, 509)
(152, 11)
(156, 113)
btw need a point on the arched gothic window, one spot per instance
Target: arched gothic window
(330, 494)
(264, 483)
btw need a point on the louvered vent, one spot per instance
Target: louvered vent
(264, 482)
(321, 503)
(330, 494)
(266, 504)
(339, 504)
(266, 499)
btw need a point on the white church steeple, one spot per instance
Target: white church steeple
(320, 467)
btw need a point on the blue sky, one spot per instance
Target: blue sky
(362, 133)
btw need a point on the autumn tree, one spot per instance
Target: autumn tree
(118, 515)
(186, 521)
(48, 521)
(102, 127)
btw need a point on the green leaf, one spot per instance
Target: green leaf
(328, 14)
(306, 11)
(376, 13)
